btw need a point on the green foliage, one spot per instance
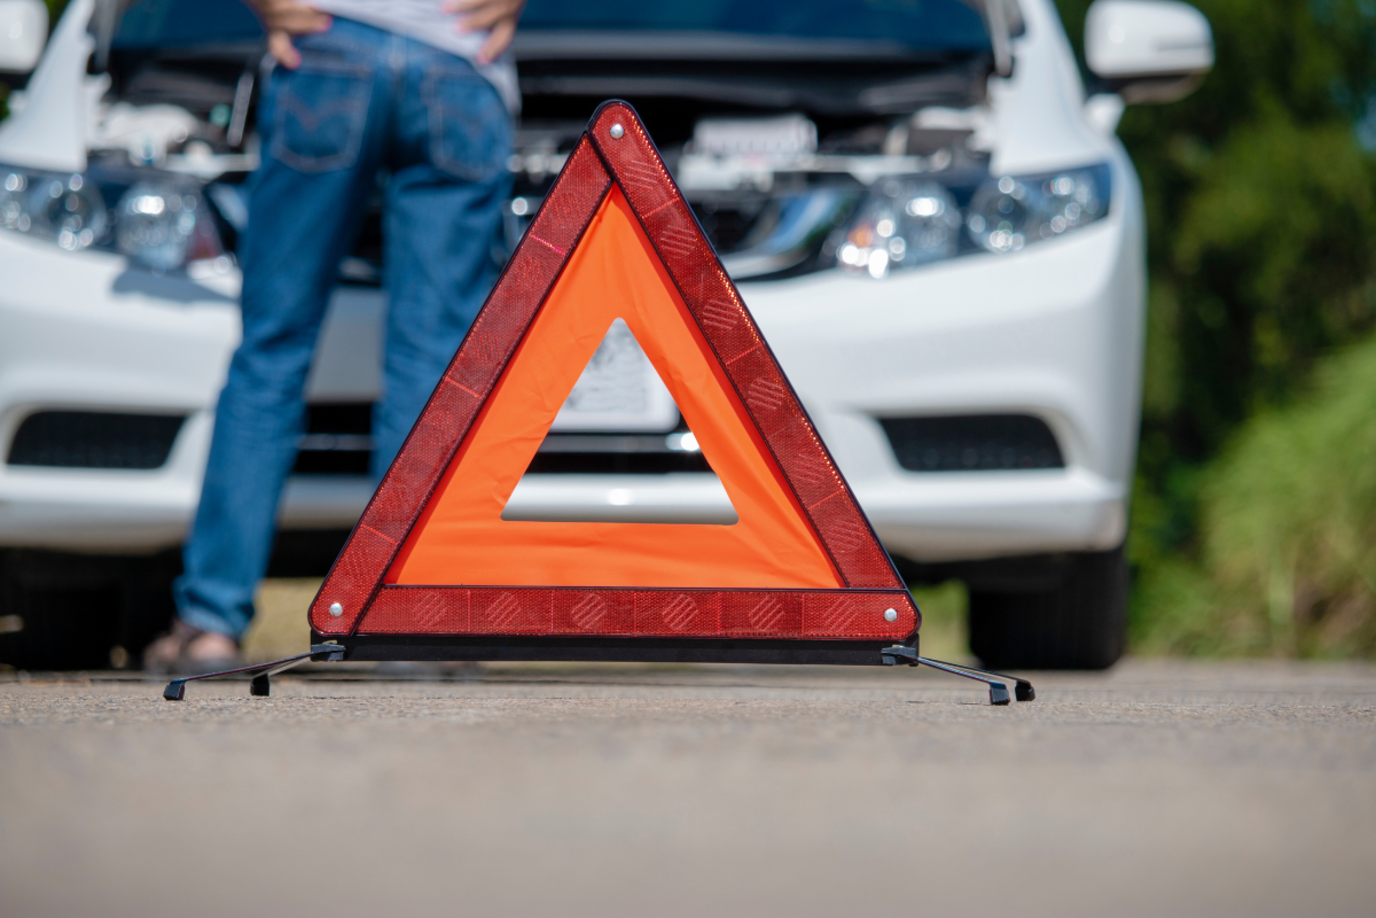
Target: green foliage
(944, 608)
(1261, 206)
(1288, 521)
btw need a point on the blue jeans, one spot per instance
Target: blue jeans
(363, 102)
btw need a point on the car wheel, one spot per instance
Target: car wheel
(1079, 624)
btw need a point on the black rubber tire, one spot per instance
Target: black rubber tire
(1080, 624)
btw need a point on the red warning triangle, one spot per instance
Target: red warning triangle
(432, 555)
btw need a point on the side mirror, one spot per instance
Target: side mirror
(23, 33)
(1148, 50)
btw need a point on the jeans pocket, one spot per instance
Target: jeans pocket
(321, 111)
(470, 128)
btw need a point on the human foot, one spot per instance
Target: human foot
(187, 649)
(211, 646)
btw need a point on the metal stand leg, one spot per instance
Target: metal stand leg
(998, 691)
(259, 687)
(1022, 689)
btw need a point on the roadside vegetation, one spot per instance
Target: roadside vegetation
(1286, 557)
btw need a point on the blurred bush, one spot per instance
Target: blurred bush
(1261, 201)
(1288, 532)
(945, 612)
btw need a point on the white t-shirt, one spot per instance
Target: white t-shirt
(425, 20)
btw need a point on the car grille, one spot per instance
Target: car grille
(614, 454)
(338, 440)
(973, 443)
(94, 440)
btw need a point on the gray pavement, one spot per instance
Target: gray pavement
(1161, 788)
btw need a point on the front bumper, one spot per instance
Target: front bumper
(85, 331)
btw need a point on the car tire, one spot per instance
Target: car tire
(1081, 623)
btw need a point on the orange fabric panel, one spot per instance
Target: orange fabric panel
(461, 538)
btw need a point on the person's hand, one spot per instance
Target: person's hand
(285, 18)
(497, 16)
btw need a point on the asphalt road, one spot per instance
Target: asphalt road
(1160, 788)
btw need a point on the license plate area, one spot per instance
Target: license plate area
(618, 391)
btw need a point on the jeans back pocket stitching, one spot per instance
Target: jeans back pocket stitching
(435, 109)
(355, 102)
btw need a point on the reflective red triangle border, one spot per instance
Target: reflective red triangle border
(355, 585)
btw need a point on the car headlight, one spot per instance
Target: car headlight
(13, 212)
(1007, 213)
(156, 224)
(910, 221)
(63, 208)
(159, 223)
(903, 222)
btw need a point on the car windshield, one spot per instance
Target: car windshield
(919, 24)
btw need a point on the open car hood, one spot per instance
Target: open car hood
(830, 77)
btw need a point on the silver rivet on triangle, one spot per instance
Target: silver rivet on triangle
(890, 615)
(618, 131)
(337, 610)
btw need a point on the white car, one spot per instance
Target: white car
(928, 214)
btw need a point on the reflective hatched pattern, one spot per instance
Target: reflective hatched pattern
(569, 611)
(356, 580)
